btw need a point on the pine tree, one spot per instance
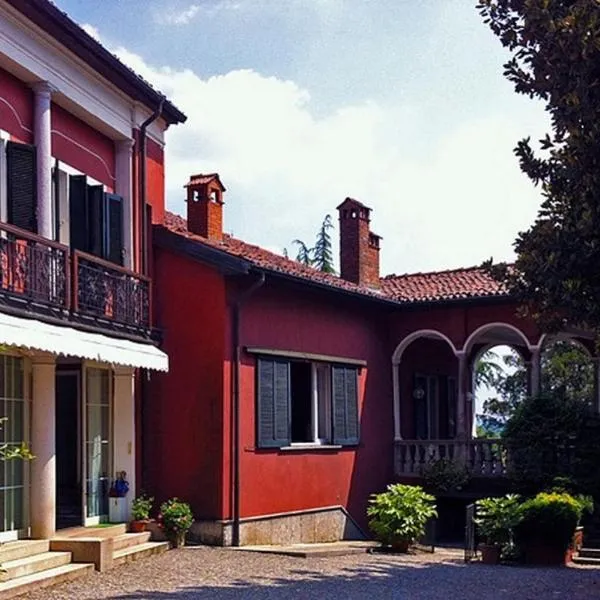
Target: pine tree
(322, 252)
(304, 255)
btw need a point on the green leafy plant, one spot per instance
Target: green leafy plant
(550, 519)
(399, 515)
(497, 518)
(176, 518)
(445, 475)
(141, 507)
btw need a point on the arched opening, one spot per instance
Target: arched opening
(425, 387)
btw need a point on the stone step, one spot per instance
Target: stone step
(36, 581)
(21, 567)
(589, 552)
(99, 531)
(126, 540)
(22, 549)
(126, 555)
(582, 560)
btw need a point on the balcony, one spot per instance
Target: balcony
(45, 278)
(481, 457)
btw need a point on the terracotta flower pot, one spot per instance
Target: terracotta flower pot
(177, 540)
(490, 554)
(540, 553)
(400, 546)
(138, 526)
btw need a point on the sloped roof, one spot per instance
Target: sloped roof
(202, 179)
(472, 282)
(421, 287)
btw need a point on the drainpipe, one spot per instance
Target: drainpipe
(235, 405)
(142, 161)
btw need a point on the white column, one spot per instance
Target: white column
(397, 414)
(124, 428)
(461, 421)
(124, 187)
(42, 138)
(43, 466)
(535, 371)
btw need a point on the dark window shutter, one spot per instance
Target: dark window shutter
(114, 235)
(78, 213)
(344, 383)
(21, 185)
(273, 403)
(96, 217)
(420, 408)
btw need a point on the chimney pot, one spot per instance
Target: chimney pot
(205, 206)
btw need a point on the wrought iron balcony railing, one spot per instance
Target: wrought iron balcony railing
(42, 276)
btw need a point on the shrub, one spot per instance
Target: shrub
(141, 507)
(445, 475)
(400, 515)
(550, 518)
(498, 517)
(176, 517)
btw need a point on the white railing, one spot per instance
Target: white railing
(482, 457)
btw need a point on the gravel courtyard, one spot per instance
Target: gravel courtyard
(224, 574)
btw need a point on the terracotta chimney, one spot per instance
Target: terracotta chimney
(359, 247)
(205, 206)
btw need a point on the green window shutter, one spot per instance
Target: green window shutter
(96, 219)
(273, 403)
(344, 383)
(78, 213)
(114, 234)
(21, 185)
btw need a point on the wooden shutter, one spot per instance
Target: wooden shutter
(96, 220)
(78, 213)
(420, 407)
(21, 185)
(344, 384)
(114, 224)
(273, 403)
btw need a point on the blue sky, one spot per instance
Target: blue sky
(299, 103)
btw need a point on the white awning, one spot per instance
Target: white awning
(55, 339)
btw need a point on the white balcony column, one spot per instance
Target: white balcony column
(534, 371)
(397, 408)
(461, 409)
(124, 188)
(43, 437)
(42, 138)
(124, 428)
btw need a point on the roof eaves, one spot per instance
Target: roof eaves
(68, 33)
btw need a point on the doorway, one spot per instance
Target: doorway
(68, 443)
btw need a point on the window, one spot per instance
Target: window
(305, 402)
(434, 404)
(21, 187)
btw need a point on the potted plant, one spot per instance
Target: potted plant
(140, 513)
(398, 516)
(176, 518)
(548, 526)
(496, 519)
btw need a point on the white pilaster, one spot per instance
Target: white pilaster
(42, 138)
(461, 421)
(124, 428)
(43, 437)
(124, 187)
(397, 414)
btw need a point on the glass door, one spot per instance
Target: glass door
(14, 474)
(97, 444)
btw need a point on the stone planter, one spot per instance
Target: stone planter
(177, 540)
(117, 510)
(542, 553)
(490, 554)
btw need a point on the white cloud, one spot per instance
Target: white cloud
(187, 15)
(453, 204)
(91, 31)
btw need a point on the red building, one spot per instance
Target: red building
(81, 176)
(293, 394)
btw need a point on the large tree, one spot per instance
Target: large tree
(555, 58)
(320, 255)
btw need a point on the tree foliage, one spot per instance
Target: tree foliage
(555, 58)
(320, 255)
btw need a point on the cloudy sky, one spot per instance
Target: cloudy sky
(300, 103)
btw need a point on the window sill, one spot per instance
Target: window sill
(310, 447)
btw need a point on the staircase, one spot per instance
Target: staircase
(30, 565)
(128, 547)
(589, 554)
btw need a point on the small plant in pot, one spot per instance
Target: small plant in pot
(398, 516)
(140, 513)
(496, 520)
(176, 518)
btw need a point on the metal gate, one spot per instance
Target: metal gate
(470, 534)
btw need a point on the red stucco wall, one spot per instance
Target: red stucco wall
(183, 411)
(81, 146)
(274, 481)
(16, 108)
(155, 170)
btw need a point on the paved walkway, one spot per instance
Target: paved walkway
(222, 574)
